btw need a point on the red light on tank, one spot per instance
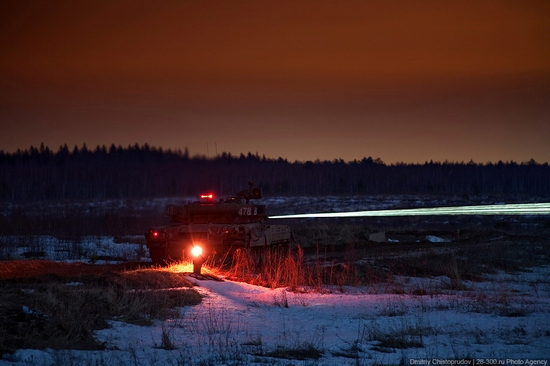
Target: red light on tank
(157, 234)
(207, 196)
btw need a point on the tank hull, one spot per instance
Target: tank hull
(219, 229)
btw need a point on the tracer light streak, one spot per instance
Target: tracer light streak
(503, 209)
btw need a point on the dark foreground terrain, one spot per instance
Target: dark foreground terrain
(58, 305)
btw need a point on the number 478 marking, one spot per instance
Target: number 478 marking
(248, 211)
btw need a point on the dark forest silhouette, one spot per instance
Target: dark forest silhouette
(145, 171)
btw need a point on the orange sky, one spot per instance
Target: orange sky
(400, 80)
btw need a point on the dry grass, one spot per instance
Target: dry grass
(280, 267)
(333, 267)
(289, 268)
(62, 312)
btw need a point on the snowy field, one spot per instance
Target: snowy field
(501, 319)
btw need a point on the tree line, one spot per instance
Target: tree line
(146, 172)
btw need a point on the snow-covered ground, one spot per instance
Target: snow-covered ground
(502, 320)
(91, 249)
(506, 317)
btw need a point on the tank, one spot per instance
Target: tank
(210, 229)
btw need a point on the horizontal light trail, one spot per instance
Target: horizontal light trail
(504, 209)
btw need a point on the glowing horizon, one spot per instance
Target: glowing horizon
(406, 82)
